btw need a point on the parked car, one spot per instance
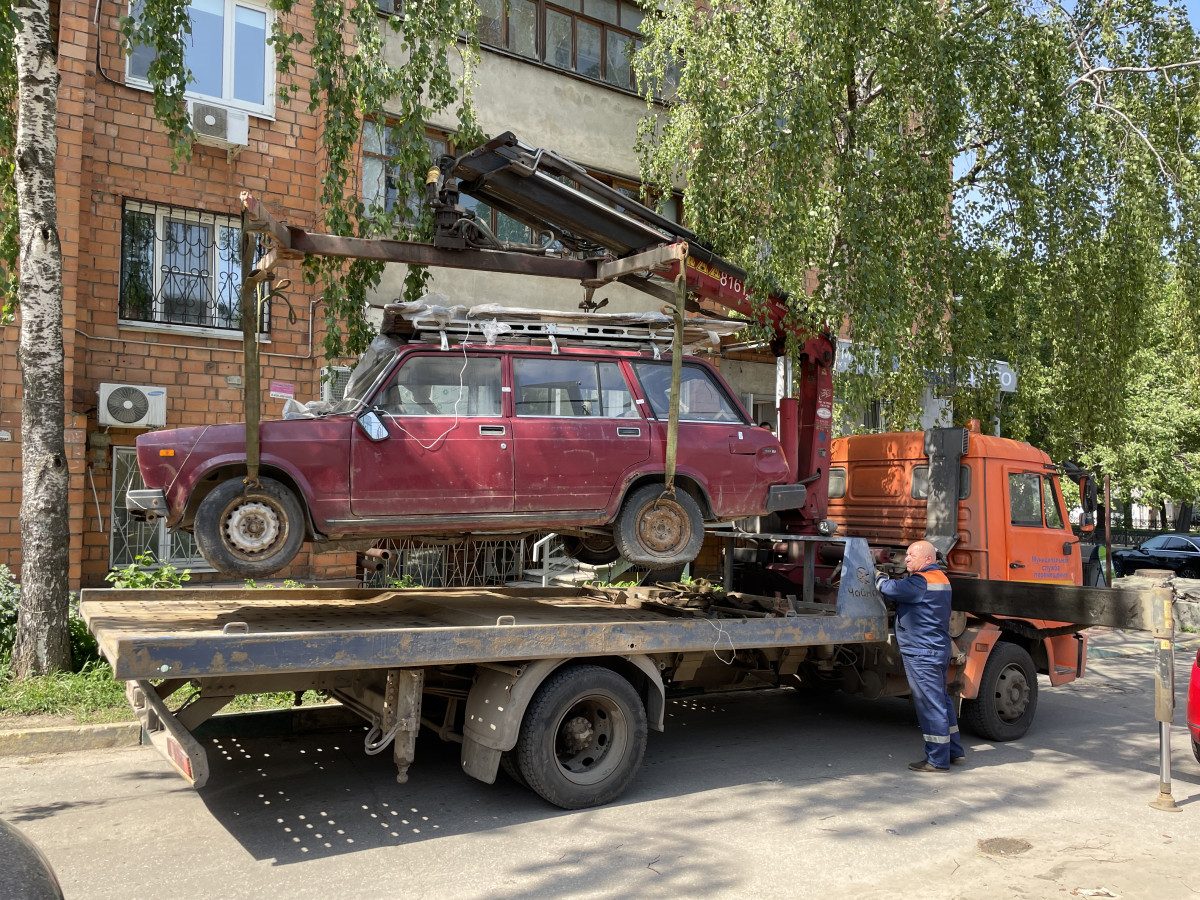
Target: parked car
(1193, 706)
(1178, 552)
(438, 439)
(25, 873)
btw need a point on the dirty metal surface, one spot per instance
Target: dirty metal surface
(204, 633)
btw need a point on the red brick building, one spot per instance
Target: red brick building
(151, 270)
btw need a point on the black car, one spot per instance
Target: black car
(25, 873)
(1178, 552)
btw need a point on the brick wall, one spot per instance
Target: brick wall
(110, 150)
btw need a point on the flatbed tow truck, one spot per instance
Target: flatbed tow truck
(558, 687)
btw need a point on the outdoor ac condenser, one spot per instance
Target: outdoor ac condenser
(133, 406)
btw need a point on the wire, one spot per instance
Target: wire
(722, 633)
(457, 401)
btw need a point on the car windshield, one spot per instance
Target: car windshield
(370, 365)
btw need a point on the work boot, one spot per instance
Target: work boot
(957, 760)
(924, 765)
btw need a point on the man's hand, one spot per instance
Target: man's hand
(880, 578)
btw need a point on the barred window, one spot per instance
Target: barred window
(181, 267)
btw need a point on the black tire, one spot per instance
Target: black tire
(509, 764)
(1196, 751)
(582, 738)
(249, 532)
(1118, 569)
(655, 532)
(1188, 572)
(1008, 694)
(593, 549)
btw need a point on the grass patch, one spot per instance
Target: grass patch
(90, 695)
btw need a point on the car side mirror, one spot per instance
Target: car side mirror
(372, 425)
(1089, 501)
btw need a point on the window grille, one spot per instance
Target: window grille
(464, 563)
(182, 267)
(131, 538)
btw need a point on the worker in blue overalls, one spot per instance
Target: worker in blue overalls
(923, 635)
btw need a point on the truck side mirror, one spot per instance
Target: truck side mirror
(1088, 500)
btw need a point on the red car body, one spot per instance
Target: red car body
(539, 449)
(1193, 706)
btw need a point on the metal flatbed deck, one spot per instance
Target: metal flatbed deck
(198, 633)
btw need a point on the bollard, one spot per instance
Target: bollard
(1164, 692)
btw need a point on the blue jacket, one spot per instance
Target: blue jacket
(922, 612)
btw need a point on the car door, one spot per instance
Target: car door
(1039, 543)
(448, 451)
(716, 444)
(577, 430)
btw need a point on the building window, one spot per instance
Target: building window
(227, 53)
(593, 38)
(384, 183)
(181, 267)
(131, 538)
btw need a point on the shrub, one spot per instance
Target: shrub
(10, 601)
(147, 572)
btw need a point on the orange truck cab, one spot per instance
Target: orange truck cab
(994, 509)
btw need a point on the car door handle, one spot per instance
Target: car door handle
(491, 429)
(1016, 565)
(629, 432)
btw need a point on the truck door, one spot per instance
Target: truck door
(449, 447)
(1037, 531)
(577, 432)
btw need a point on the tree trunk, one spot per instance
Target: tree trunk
(42, 641)
(1183, 521)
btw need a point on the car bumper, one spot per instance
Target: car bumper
(146, 504)
(1193, 704)
(786, 496)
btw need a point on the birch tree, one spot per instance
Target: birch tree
(966, 181)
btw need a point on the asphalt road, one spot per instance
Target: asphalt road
(763, 796)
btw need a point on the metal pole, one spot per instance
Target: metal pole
(1107, 529)
(1164, 692)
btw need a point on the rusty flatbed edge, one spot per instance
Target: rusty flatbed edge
(209, 633)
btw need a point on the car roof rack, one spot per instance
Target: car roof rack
(433, 318)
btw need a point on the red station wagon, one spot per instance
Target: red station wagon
(438, 438)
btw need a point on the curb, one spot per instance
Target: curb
(121, 735)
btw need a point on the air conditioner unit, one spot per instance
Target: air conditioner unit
(333, 383)
(133, 406)
(219, 126)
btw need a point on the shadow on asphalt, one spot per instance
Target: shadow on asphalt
(318, 795)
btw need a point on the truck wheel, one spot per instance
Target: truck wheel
(593, 549)
(249, 532)
(1008, 695)
(583, 737)
(655, 532)
(509, 764)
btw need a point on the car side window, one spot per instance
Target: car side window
(1178, 544)
(700, 399)
(571, 388)
(920, 482)
(1025, 498)
(1158, 542)
(444, 386)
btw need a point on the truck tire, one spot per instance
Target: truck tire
(1008, 694)
(592, 549)
(583, 737)
(654, 531)
(249, 532)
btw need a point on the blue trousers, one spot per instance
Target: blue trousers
(935, 710)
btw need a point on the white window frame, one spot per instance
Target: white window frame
(266, 109)
(162, 214)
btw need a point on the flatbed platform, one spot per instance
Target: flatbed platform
(199, 633)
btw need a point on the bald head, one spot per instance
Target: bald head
(920, 555)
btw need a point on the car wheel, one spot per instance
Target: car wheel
(593, 549)
(249, 532)
(1118, 569)
(656, 531)
(1189, 572)
(1196, 750)
(1008, 692)
(582, 738)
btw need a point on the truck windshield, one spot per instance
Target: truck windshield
(370, 366)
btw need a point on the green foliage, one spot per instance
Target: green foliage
(89, 695)
(147, 572)
(9, 225)
(403, 582)
(288, 584)
(10, 602)
(164, 26)
(965, 181)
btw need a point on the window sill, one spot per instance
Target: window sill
(189, 330)
(258, 112)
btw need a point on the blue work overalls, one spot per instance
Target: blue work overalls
(923, 635)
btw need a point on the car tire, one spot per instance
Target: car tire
(583, 737)
(1008, 694)
(593, 549)
(1196, 750)
(655, 531)
(1188, 572)
(1118, 569)
(249, 531)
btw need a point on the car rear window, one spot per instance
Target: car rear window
(576, 388)
(700, 397)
